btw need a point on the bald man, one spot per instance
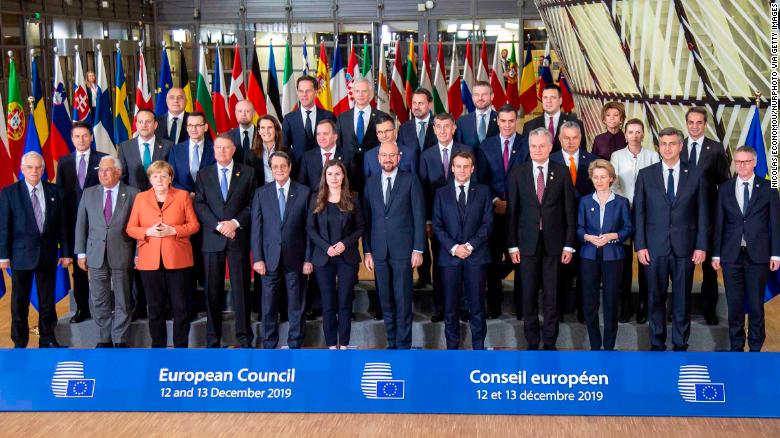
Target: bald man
(244, 135)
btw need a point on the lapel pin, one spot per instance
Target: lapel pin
(757, 185)
(592, 209)
(123, 195)
(52, 199)
(238, 173)
(686, 170)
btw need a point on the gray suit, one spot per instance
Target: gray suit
(132, 161)
(109, 252)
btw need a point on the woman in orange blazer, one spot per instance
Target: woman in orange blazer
(162, 221)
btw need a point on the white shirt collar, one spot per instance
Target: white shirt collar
(504, 139)
(596, 197)
(229, 167)
(366, 110)
(85, 153)
(150, 141)
(426, 120)
(313, 110)
(544, 165)
(286, 186)
(392, 174)
(332, 152)
(199, 143)
(697, 140)
(179, 117)
(114, 189)
(676, 167)
(457, 186)
(39, 186)
(448, 146)
(740, 181)
(486, 111)
(566, 156)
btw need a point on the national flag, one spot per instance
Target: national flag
(497, 80)
(60, 143)
(305, 71)
(289, 93)
(338, 83)
(366, 71)
(218, 98)
(165, 83)
(122, 128)
(512, 92)
(32, 141)
(397, 102)
(254, 90)
(528, 83)
(323, 80)
(184, 82)
(203, 92)
(568, 99)
(382, 90)
(425, 71)
(440, 83)
(273, 103)
(17, 125)
(39, 119)
(6, 165)
(545, 74)
(81, 107)
(61, 285)
(103, 123)
(454, 100)
(482, 72)
(143, 97)
(467, 83)
(353, 71)
(237, 90)
(411, 74)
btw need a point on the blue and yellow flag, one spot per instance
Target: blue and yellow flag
(165, 84)
(39, 120)
(122, 127)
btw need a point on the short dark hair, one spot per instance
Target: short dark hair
(634, 122)
(383, 118)
(146, 110)
(444, 116)
(197, 114)
(225, 136)
(463, 153)
(82, 124)
(483, 84)
(326, 122)
(507, 108)
(307, 78)
(280, 154)
(425, 93)
(553, 87)
(697, 110)
(670, 131)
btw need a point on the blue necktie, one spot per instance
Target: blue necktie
(692, 157)
(745, 198)
(360, 128)
(147, 158)
(195, 161)
(281, 202)
(482, 128)
(670, 186)
(421, 135)
(223, 184)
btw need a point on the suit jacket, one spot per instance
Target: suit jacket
(395, 230)
(310, 171)
(431, 173)
(20, 239)
(352, 228)
(467, 131)
(490, 163)
(132, 161)
(407, 134)
(617, 219)
(410, 158)
(163, 130)
(474, 226)
(241, 156)
(275, 239)
(212, 209)
(105, 243)
(179, 158)
(714, 165)
(177, 211)
(294, 135)
(346, 130)
(584, 185)
(666, 228)
(557, 211)
(538, 122)
(760, 226)
(68, 182)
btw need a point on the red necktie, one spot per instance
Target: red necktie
(551, 127)
(327, 157)
(506, 155)
(540, 189)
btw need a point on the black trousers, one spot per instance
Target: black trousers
(337, 286)
(163, 286)
(80, 288)
(296, 302)
(196, 302)
(659, 271)
(394, 284)
(237, 257)
(568, 274)
(256, 298)
(627, 280)
(745, 283)
(608, 274)
(709, 287)
(499, 268)
(21, 286)
(469, 280)
(540, 270)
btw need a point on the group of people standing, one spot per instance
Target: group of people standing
(465, 202)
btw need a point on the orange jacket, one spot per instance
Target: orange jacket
(177, 212)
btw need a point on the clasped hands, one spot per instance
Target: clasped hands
(160, 230)
(601, 240)
(336, 249)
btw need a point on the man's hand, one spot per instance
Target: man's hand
(65, 261)
(566, 257)
(228, 228)
(515, 257)
(340, 248)
(699, 256)
(462, 252)
(259, 267)
(368, 261)
(83, 264)
(5, 265)
(643, 256)
(499, 207)
(774, 265)
(416, 259)
(308, 268)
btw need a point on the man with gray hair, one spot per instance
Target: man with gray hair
(106, 251)
(32, 225)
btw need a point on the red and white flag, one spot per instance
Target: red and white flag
(454, 98)
(397, 103)
(497, 81)
(482, 73)
(237, 90)
(143, 96)
(353, 71)
(218, 100)
(6, 165)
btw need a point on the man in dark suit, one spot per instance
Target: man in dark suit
(136, 154)
(553, 118)
(244, 135)
(462, 221)
(76, 172)
(280, 249)
(476, 126)
(670, 207)
(419, 130)
(357, 127)
(394, 241)
(385, 132)
(747, 245)
(310, 172)
(541, 233)
(710, 157)
(298, 126)
(170, 126)
(223, 198)
(32, 224)
(192, 155)
(577, 161)
(435, 173)
(496, 158)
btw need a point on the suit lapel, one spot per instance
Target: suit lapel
(393, 190)
(351, 124)
(757, 190)
(233, 181)
(121, 199)
(658, 177)
(289, 203)
(48, 195)
(682, 183)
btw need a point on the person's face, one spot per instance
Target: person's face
(670, 146)
(507, 123)
(108, 174)
(420, 106)
(175, 100)
(570, 140)
(334, 177)
(745, 164)
(462, 168)
(696, 125)
(539, 148)
(145, 124)
(601, 179)
(634, 135)
(91, 78)
(245, 113)
(280, 170)
(306, 93)
(32, 169)
(504, 53)
(482, 97)
(388, 157)
(196, 128)
(224, 150)
(385, 132)
(551, 101)
(326, 136)
(444, 130)
(612, 118)
(361, 92)
(160, 181)
(267, 131)
(82, 139)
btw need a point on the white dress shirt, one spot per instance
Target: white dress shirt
(627, 167)
(566, 156)
(86, 160)
(366, 115)
(392, 176)
(200, 149)
(286, 188)
(331, 151)
(675, 174)
(141, 147)
(555, 117)
(241, 130)
(698, 142)
(602, 208)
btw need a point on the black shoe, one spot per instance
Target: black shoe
(658, 348)
(532, 347)
(120, 345)
(494, 314)
(50, 344)
(641, 318)
(561, 318)
(421, 284)
(680, 348)
(104, 345)
(80, 316)
(669, 318)
(376, 316)
(246, 345)
(353, 316)
(139, 313)
(581, 317)
(282, 317)
(549, 347)
(464, 316)
(712, 319)
(437, 317)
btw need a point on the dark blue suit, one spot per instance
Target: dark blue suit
(602, 265)
(407, 134)
(242, 155)
(310, 168)
(410, 159)
(745, 268)
(295, 137)
(453, 226)
(393, 231)
(179, 159)
(33, 254)
(670, 231)
(281, 243)
(468, 131)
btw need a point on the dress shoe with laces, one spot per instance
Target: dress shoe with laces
(80, 316)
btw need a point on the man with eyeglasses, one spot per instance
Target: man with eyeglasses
(170, 125)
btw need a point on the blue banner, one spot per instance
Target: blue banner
(374, 381)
